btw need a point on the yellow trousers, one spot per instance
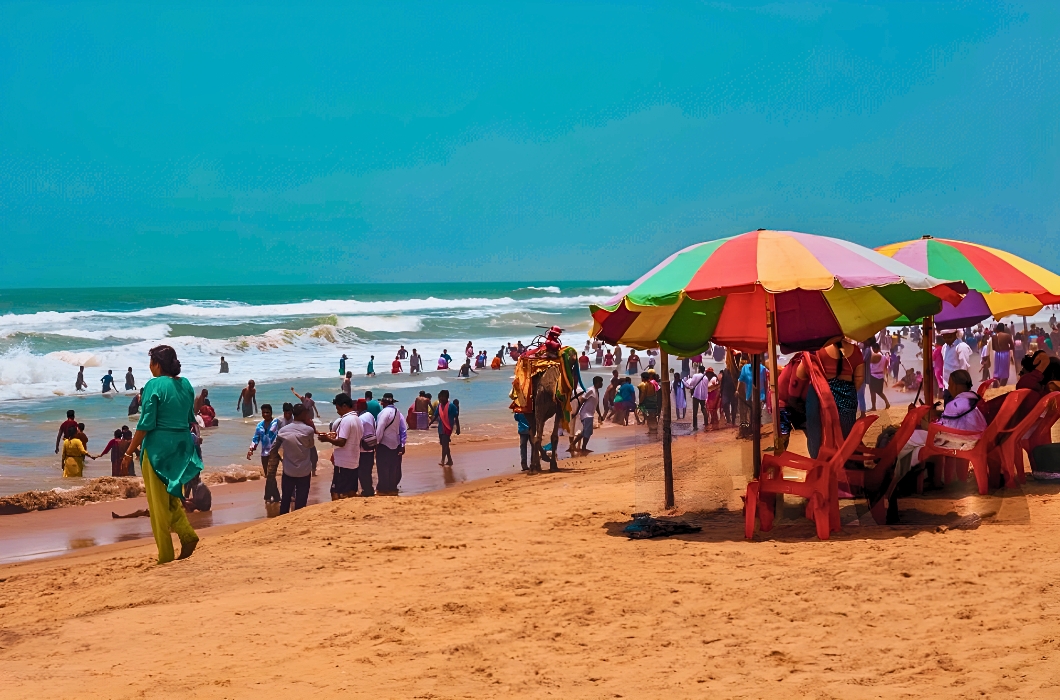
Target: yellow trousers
(167, 514)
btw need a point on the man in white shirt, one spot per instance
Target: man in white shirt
(699, 383)
(391, 433)
(347, 441)
(955, 355)
(588, 409)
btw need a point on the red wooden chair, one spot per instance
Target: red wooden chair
(814, 479)
(979, 454)
(1013, 438)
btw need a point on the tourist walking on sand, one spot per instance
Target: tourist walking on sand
(265, 435)
(346, 437)
(878, 364)
(130, 381)
(713, 398)
(698, 384)
(677, 383)
(588, 411)
(248, 400)
(224, 365)
(1001, 345)
(295, 444)
(169, 459)
(80, 384)
(415, 362)
(445, 415)
(70, 422)
(391, 434)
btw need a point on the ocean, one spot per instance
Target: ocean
(280, 336)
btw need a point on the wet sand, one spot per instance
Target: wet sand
(52, 532)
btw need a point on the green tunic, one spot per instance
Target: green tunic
(166, 416)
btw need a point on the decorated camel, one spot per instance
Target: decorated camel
(545, 379)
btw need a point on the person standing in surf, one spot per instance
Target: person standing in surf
(224, 365)
(371, 367)
(415, 362)
(445, 415)
(108, 381)
(248, 400)
(130, 381)
(169, 459)
(80, 384)
(342, 365)
(444, 359)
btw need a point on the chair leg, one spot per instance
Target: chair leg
(749, 509)
(982, 475)
(1017, 460)
(767, 507)
(822, 519)
(832, 506)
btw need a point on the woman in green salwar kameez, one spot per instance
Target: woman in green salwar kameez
(169, 459)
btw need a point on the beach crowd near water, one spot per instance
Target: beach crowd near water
(367, 434)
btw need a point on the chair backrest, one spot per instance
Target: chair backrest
(985, 386)
(1034, 416)
(850, 443)
(831, 430)
(1043, 431)
(1001, 421)
(912, 419)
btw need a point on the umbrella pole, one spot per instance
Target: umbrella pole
(667, 436)
(929, 370)
(756, 414)
(774, 398)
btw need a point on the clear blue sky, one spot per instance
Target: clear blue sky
(228, 143)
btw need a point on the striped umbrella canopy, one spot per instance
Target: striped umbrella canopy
(1001, 283)
(819, 288)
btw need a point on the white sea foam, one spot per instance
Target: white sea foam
(426, 381)
(550, 290)
(382, 324)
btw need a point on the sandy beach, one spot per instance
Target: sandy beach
(518, 586)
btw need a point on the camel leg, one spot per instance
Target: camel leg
(555, 443)
(535, 445)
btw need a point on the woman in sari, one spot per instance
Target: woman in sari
(169, 459)
(844, 368)
(74, 453)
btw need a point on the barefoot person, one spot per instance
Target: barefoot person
(391, 434)
(169, 459)
(248, 400)
(445, 414)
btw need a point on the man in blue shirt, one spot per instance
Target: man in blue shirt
(745, 389)
(108, 381)
(264, 435)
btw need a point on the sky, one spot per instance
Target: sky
(258, 143)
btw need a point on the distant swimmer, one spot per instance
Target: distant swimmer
(444, 359)
(465, 370)
(248, 400)
(80, 384)
(224, 365)
(108, 381)
(402, 353)
(130, 381)
(395, 366)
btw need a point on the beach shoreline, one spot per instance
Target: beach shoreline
(473, 591)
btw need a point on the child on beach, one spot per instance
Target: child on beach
(445, 415)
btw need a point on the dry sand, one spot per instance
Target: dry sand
(524, 587)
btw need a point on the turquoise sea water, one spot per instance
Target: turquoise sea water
(280, 336)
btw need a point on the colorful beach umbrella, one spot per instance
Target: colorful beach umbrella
(1000, 283)
(720, 290)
